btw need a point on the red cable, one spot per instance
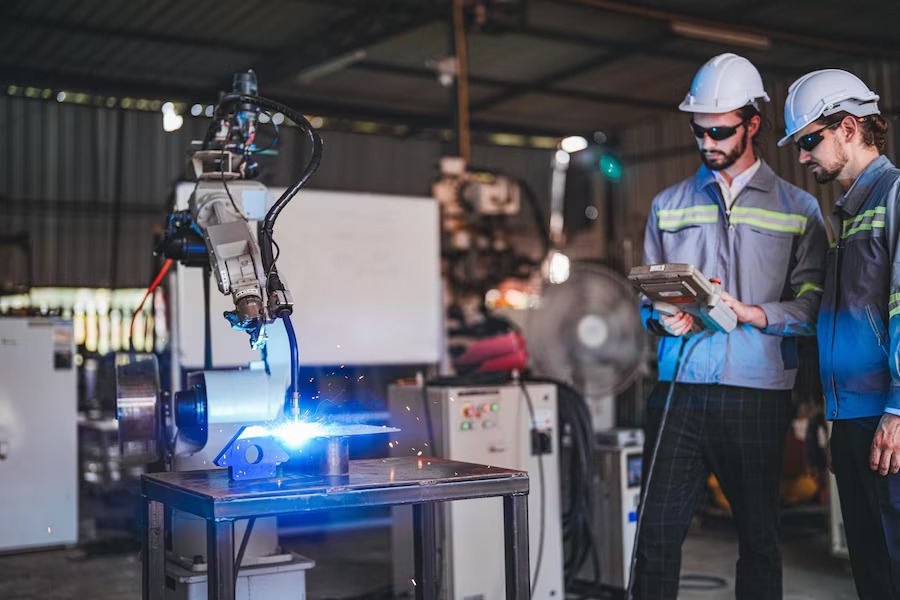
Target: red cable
(150, 290)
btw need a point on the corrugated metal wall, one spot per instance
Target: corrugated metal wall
(91, 185)
(659, 154)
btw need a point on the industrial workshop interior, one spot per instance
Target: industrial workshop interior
(449, 299)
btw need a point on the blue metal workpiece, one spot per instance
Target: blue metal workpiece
(251, 454)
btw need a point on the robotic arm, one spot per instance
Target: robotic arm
(229, 225)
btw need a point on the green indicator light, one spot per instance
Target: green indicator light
(466, 426)
(495, 407)
(611, 167)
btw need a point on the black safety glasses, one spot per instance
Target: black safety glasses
(718, 133)
(811, 140)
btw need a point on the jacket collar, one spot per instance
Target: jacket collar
(764, 180)
(854, 198)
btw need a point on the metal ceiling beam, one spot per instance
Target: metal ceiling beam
(867, 47)
(78, 28)
(694, 58)
(521, 88)
(155, 90)
(546, 82)
(377, 22)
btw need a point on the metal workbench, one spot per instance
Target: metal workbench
(421, 482)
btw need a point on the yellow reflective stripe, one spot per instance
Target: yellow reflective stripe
(767, 224)
(676, 217)
(807, 287)
(878, 210)
(678, 212)
(863, 227)
(893, 304)
(668, 224)
(769, 219)
(894, 312)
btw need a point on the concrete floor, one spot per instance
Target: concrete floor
(352, 563)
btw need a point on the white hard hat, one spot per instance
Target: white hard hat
(724, 83)
(823, 93)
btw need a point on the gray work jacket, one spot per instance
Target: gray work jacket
(768, 250)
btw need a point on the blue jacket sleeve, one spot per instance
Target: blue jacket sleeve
(797, 316)
(892, 228)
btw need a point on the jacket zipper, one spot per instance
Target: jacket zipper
(875, 330)
(837, 297)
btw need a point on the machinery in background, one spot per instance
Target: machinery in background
(38, 451)
(618, 462)
(476, 247)
(503, 425)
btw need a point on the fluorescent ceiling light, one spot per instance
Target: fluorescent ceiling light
(573, 143)
(724, 36)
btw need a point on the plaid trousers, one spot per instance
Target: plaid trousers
(737, 434)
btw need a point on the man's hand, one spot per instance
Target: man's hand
(746, 313)
(885, 456)
(678, 325)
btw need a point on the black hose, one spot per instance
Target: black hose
(267, 226)
(314, 139)
(649, 472)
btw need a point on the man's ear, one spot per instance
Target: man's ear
(849, 127)
(753, 125)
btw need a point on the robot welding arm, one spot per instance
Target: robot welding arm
(225, 215)
(226, 205)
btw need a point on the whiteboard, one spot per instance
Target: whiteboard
(364, 272)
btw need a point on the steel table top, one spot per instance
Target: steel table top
(374, 482)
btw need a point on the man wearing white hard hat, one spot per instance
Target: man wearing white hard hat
(833, 119)
(730, 406)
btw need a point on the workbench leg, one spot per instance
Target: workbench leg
(220, 560)
(425, 551)
(515, 533)
(153, 551)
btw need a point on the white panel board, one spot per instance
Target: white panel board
(364, 271)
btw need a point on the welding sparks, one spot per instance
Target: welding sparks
(391, 444)
(294, 434)
(407, 409)
(419, 453)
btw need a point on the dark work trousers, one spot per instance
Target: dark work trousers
(737, 434)
(870, 505)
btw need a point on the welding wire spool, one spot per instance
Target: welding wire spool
(138, 407)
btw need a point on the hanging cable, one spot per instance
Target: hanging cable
(629, 590)
(150, 290)
(542, 490)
